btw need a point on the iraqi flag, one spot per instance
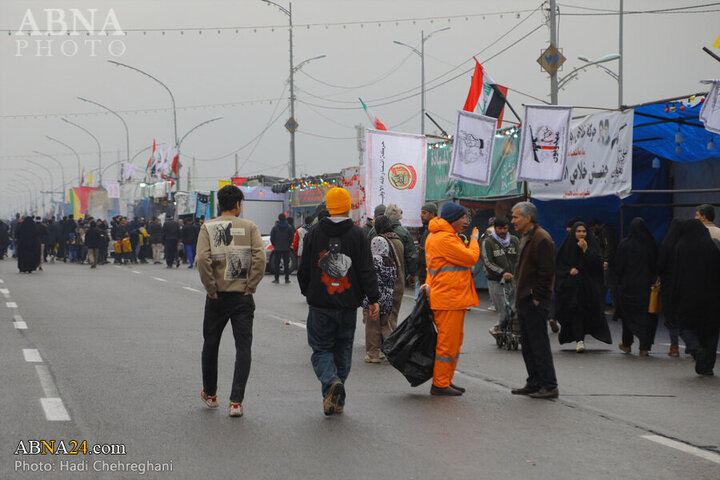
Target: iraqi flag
(377, 124)
(485, 96)
(151, 161)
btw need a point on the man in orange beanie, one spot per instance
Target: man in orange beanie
(452, 291)
(335, 274)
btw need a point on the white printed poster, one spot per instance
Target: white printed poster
(599, 159)
(473, 148)
(396, 173)
(544, 143)
(710, 111)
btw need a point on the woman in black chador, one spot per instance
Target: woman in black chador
(666, 270)
(28, 246)
(635, 264)
(696, 283)
(579, 288)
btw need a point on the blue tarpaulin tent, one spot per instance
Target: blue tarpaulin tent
(659, 163)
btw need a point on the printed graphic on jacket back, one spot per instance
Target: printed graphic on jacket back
(334, 267)
(238, 259)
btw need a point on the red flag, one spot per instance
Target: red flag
(377, 124)
(175, 163)
(151, 161)
(483, 96)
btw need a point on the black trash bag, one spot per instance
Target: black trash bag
(411, 346)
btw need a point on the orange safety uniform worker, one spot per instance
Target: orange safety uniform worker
(452, 291)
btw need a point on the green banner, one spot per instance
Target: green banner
(502, 176)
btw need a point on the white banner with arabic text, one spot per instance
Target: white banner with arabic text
(395, 173)
(599, 159)
(543, 143)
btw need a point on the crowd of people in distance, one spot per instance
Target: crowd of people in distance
(532, 284)
(35, 241)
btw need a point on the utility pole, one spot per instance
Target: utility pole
(236, 164)
(622, 57)
(292, 95)
(360, 134)
(553, 42)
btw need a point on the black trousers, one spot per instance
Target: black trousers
(285, 255)
(536, 344)
(704, 343)
(171, 250)
(240, 310)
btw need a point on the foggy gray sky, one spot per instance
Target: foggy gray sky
(662, 59)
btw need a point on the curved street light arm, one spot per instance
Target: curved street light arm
(62, 169)
(68, 147)
(172, 97)
(195, 128)
(127, 131)
(96, 141)
(282, 9)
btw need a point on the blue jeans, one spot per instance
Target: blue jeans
(330, 335)
(190, 253)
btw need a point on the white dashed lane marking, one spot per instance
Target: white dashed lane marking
(159, 279)
(20, 325)
(11, 304)
(192, 289)
(683, 447)
(32, 355)
(134, 271)
(55, 410)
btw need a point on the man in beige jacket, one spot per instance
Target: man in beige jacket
(231, 263)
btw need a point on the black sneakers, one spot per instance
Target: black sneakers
(447, 391)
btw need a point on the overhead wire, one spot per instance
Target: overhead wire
(375, 100)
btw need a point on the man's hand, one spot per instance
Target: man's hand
(214, 296)
(605, 266)
(507, 276)
(536, 302)
(475, 234)
(574, 271)
(374, 309)
(583, 245)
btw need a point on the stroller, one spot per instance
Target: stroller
(509, 335)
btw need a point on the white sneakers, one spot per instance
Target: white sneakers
(580, 347)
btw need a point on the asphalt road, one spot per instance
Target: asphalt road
(112, 357)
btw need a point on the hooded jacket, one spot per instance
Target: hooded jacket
(449, 265)
(336, 268)
(281, 236)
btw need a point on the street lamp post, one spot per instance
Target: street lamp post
(607, 58)
(616, 76)
(77, 156)
(62, 170)
(291, 128)
(172, 98)
(96, 141)
(189, 132)
(421, 53)
(25, 182)
(127, 132)
(52, 189)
